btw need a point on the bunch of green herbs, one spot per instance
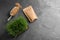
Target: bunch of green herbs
(17, 26)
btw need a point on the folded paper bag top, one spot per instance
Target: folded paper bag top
(30, 13)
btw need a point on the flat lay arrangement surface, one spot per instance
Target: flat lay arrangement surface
(46, 27)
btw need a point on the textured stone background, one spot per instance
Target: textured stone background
(47, 27)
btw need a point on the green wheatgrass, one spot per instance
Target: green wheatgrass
(17, 26)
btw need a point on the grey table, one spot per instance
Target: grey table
(47, 27)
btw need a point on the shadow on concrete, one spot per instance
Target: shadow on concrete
(5, 36)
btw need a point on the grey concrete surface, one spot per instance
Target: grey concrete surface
(47, 27)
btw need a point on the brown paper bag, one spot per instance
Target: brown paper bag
(29, 12)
